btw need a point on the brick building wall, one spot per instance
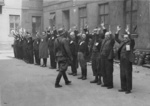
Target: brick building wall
(116, 16)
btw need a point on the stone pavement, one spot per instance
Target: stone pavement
(23, 84)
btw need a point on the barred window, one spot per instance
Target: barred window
(131, 7)
(104, 14)
(82, 17)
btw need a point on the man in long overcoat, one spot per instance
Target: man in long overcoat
(107, 55)
(126, 56)
(43, 48)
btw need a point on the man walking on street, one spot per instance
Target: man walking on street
(63, 55)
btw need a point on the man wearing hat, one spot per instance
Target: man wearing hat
(63, 55)
(126, 56)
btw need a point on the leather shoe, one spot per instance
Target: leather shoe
(75, 74)
(52, 68)
(80, 77)
(99, 83)
(122, 90)
(103, 85)
(127, 92)
(84, 78)
(110, 87)
(58, 86)
(70, 73)
(94, 81)
(68, 82)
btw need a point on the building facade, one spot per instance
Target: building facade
(19, 13)
(134, 13)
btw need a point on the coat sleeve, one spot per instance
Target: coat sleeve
(117, 38)
(67, 49)
(111, 54)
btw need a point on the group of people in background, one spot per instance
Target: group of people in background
(68, 48)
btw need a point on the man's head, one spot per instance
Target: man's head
(126, 37)
(43, 33)
(72, 35)
(83, 36)
(107, 35)
(60, 31)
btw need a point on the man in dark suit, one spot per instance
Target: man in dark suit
(73, 48)
(126, 56)
(83, 53)
(51, 41)
(63, 55)
(96, 45)
(107, 56)
(30, 49)
(36, 44)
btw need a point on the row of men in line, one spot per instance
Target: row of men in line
(102, 56)
(101, 51)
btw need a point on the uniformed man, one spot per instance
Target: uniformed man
(82, 56)
(73, 48)
(36, 44)
(107, 56)
(126, 56)
(63, 55)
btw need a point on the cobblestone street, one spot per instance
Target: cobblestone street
(23, 84)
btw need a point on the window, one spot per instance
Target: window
(14, 22)
(104, 14)
(131, 14)
(82, 17)
(52, 19)
(36, 24)
(0, 9)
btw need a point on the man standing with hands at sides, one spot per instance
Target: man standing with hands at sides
(43, 48)
(63, 56)
(82, 56)
(107, 55)
(126, 56)
(73, 48)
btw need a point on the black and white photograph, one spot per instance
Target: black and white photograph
(74, 52)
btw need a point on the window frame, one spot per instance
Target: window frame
(82, 19)
(14, 22)
(104, 14)
(131, 11)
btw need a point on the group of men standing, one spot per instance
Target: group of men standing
(68, 48)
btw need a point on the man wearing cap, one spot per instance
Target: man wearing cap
(107, 55)
(63, 55)
(126, 56)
